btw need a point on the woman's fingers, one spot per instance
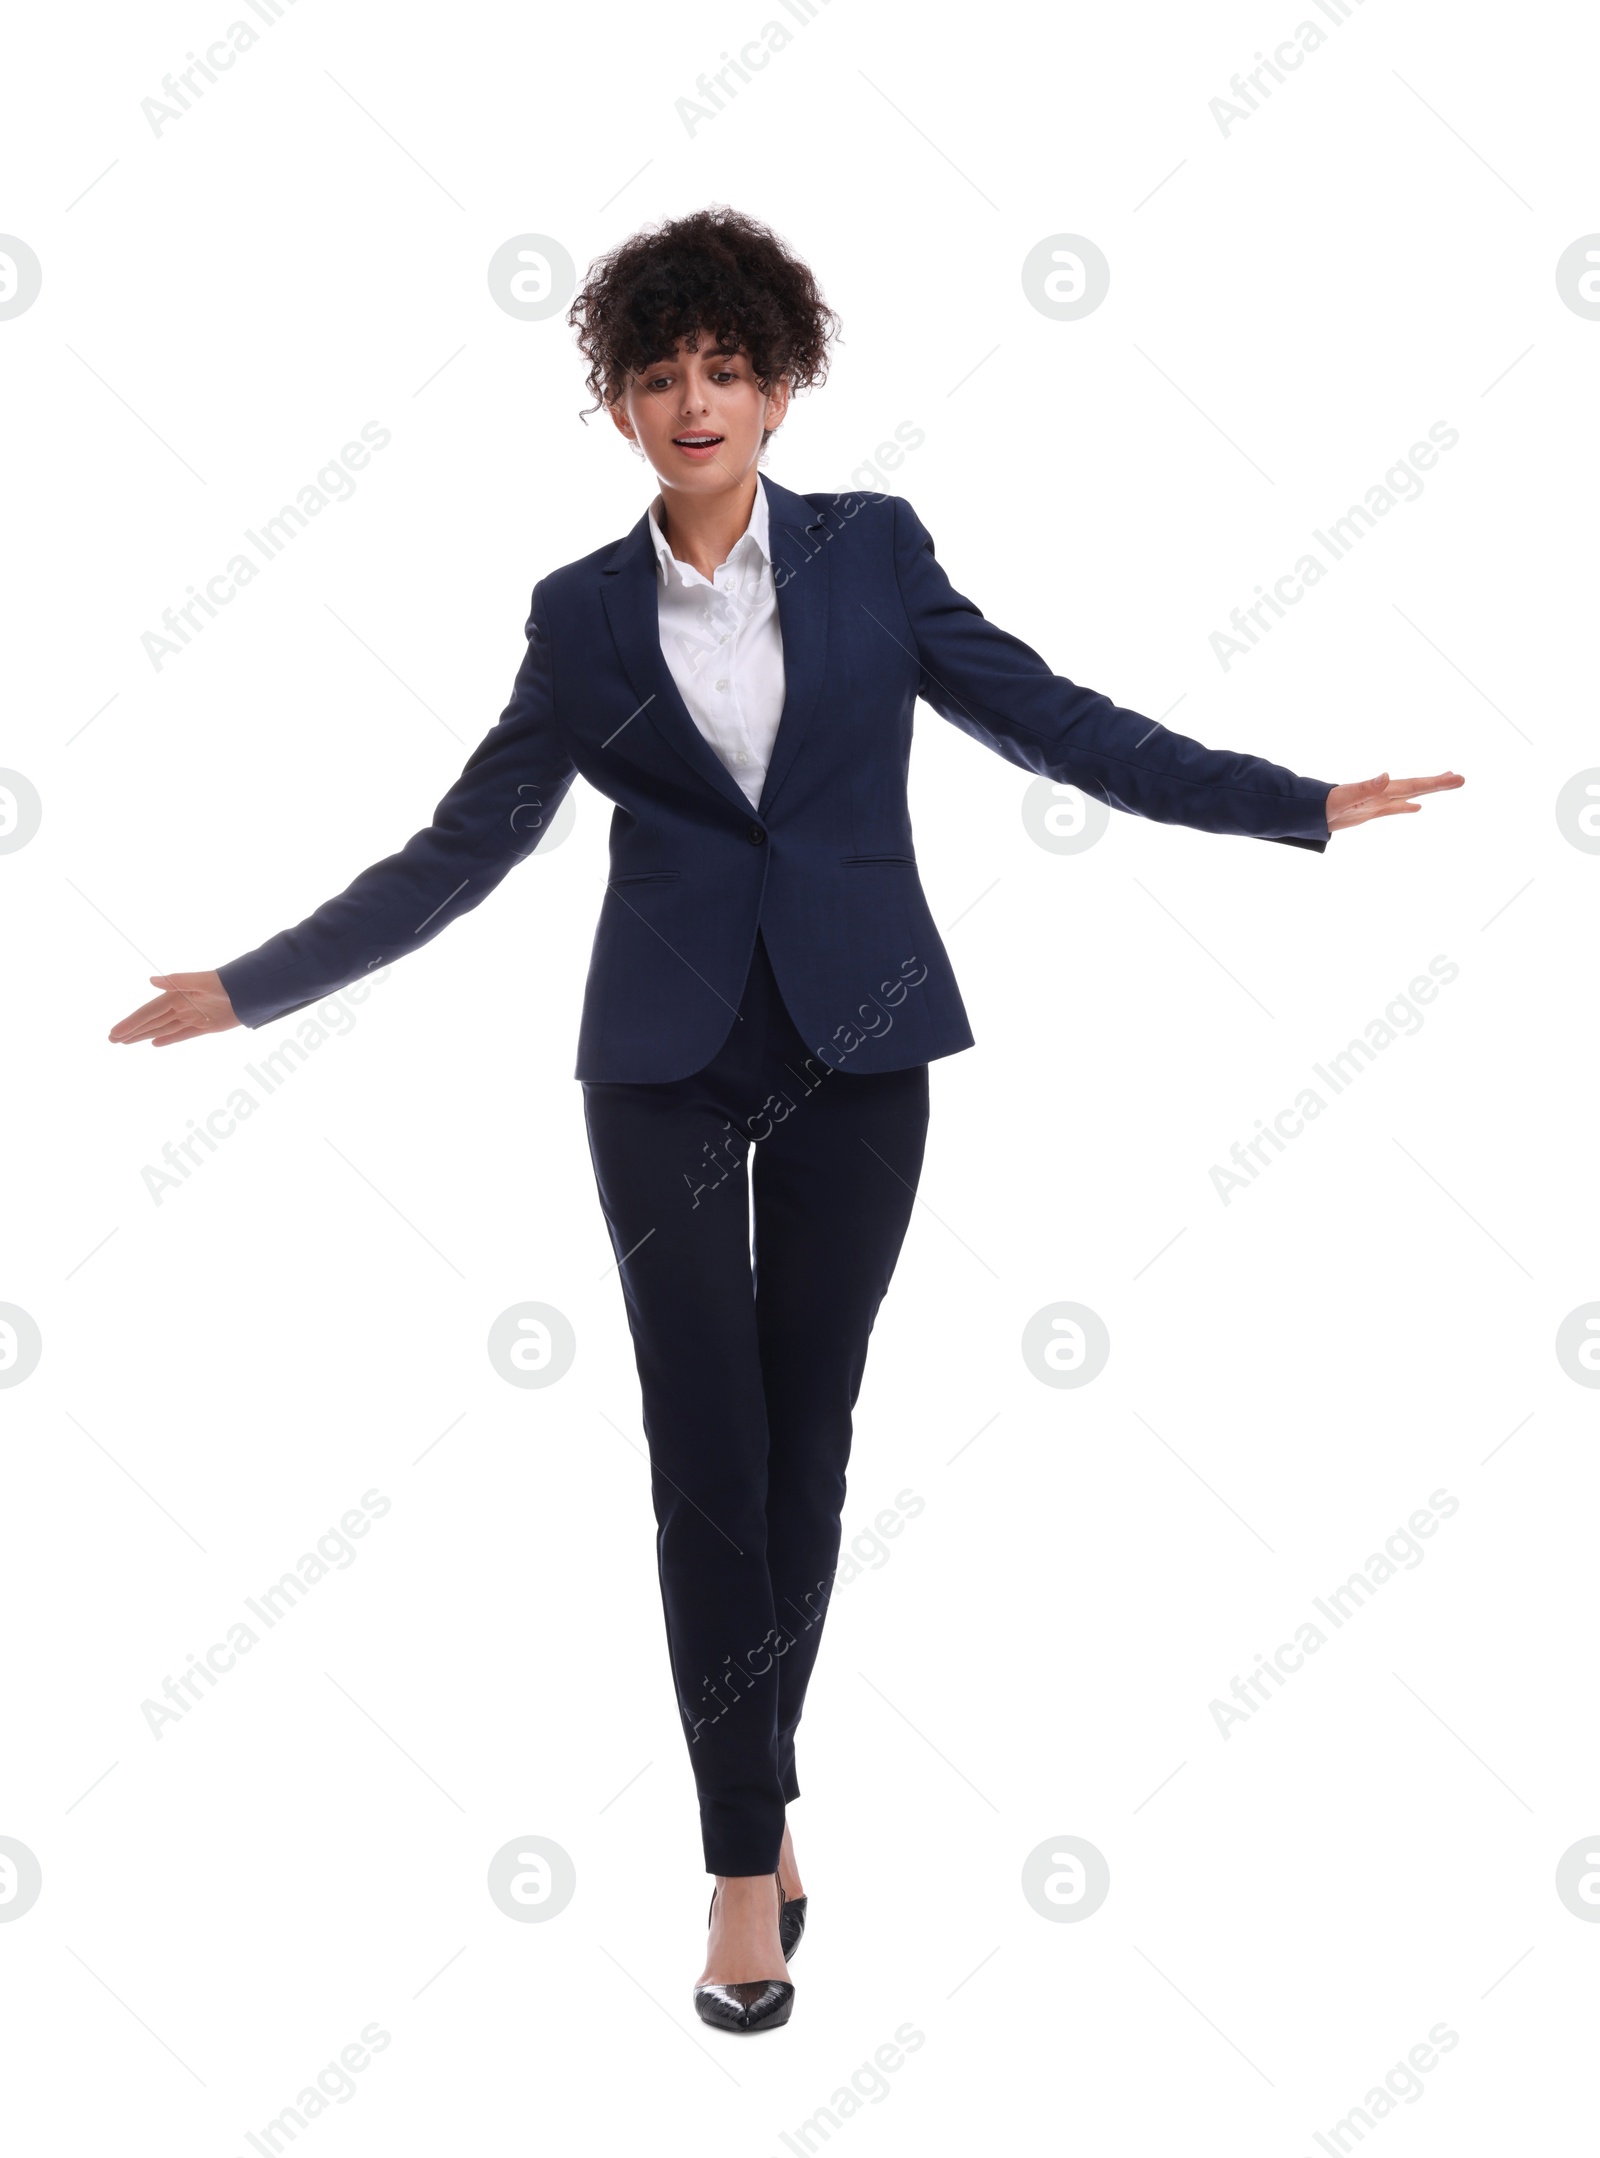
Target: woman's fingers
(1434, 784)
(138, 1023)
(1359, 801)
(1364, 812)
(1381, 785)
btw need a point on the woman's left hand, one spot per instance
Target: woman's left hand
(1362, 799)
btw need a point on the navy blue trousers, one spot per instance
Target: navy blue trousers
(751, 1341)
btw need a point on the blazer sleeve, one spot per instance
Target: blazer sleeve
(998, 689)
(494, 816)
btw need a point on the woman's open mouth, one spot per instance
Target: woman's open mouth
(699, 446)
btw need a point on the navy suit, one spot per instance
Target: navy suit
(826, 864)
(766, 983)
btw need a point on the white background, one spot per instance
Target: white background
(1034, 1656)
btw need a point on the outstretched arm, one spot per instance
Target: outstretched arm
(1001, 692)
(496, 813)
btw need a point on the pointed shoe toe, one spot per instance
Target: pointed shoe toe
(760, 2004)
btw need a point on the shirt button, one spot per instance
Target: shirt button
(723, 683)
(757, 835)
(739, 757)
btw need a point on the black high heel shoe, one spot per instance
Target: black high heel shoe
(757, 2004)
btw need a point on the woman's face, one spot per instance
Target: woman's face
(699, 417)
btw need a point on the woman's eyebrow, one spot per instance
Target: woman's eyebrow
(717, 359)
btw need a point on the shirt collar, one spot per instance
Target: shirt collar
(753, 535)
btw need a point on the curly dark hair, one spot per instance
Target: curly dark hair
(715, 270)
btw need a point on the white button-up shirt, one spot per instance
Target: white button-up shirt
(722, 642)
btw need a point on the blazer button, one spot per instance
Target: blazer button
(757, 835)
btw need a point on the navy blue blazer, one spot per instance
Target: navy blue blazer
(825, 865)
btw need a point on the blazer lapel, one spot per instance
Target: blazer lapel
(629, 586)
(800, 561)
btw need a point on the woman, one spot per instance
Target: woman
(738, 675)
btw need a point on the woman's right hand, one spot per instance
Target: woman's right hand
(190, 1004)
